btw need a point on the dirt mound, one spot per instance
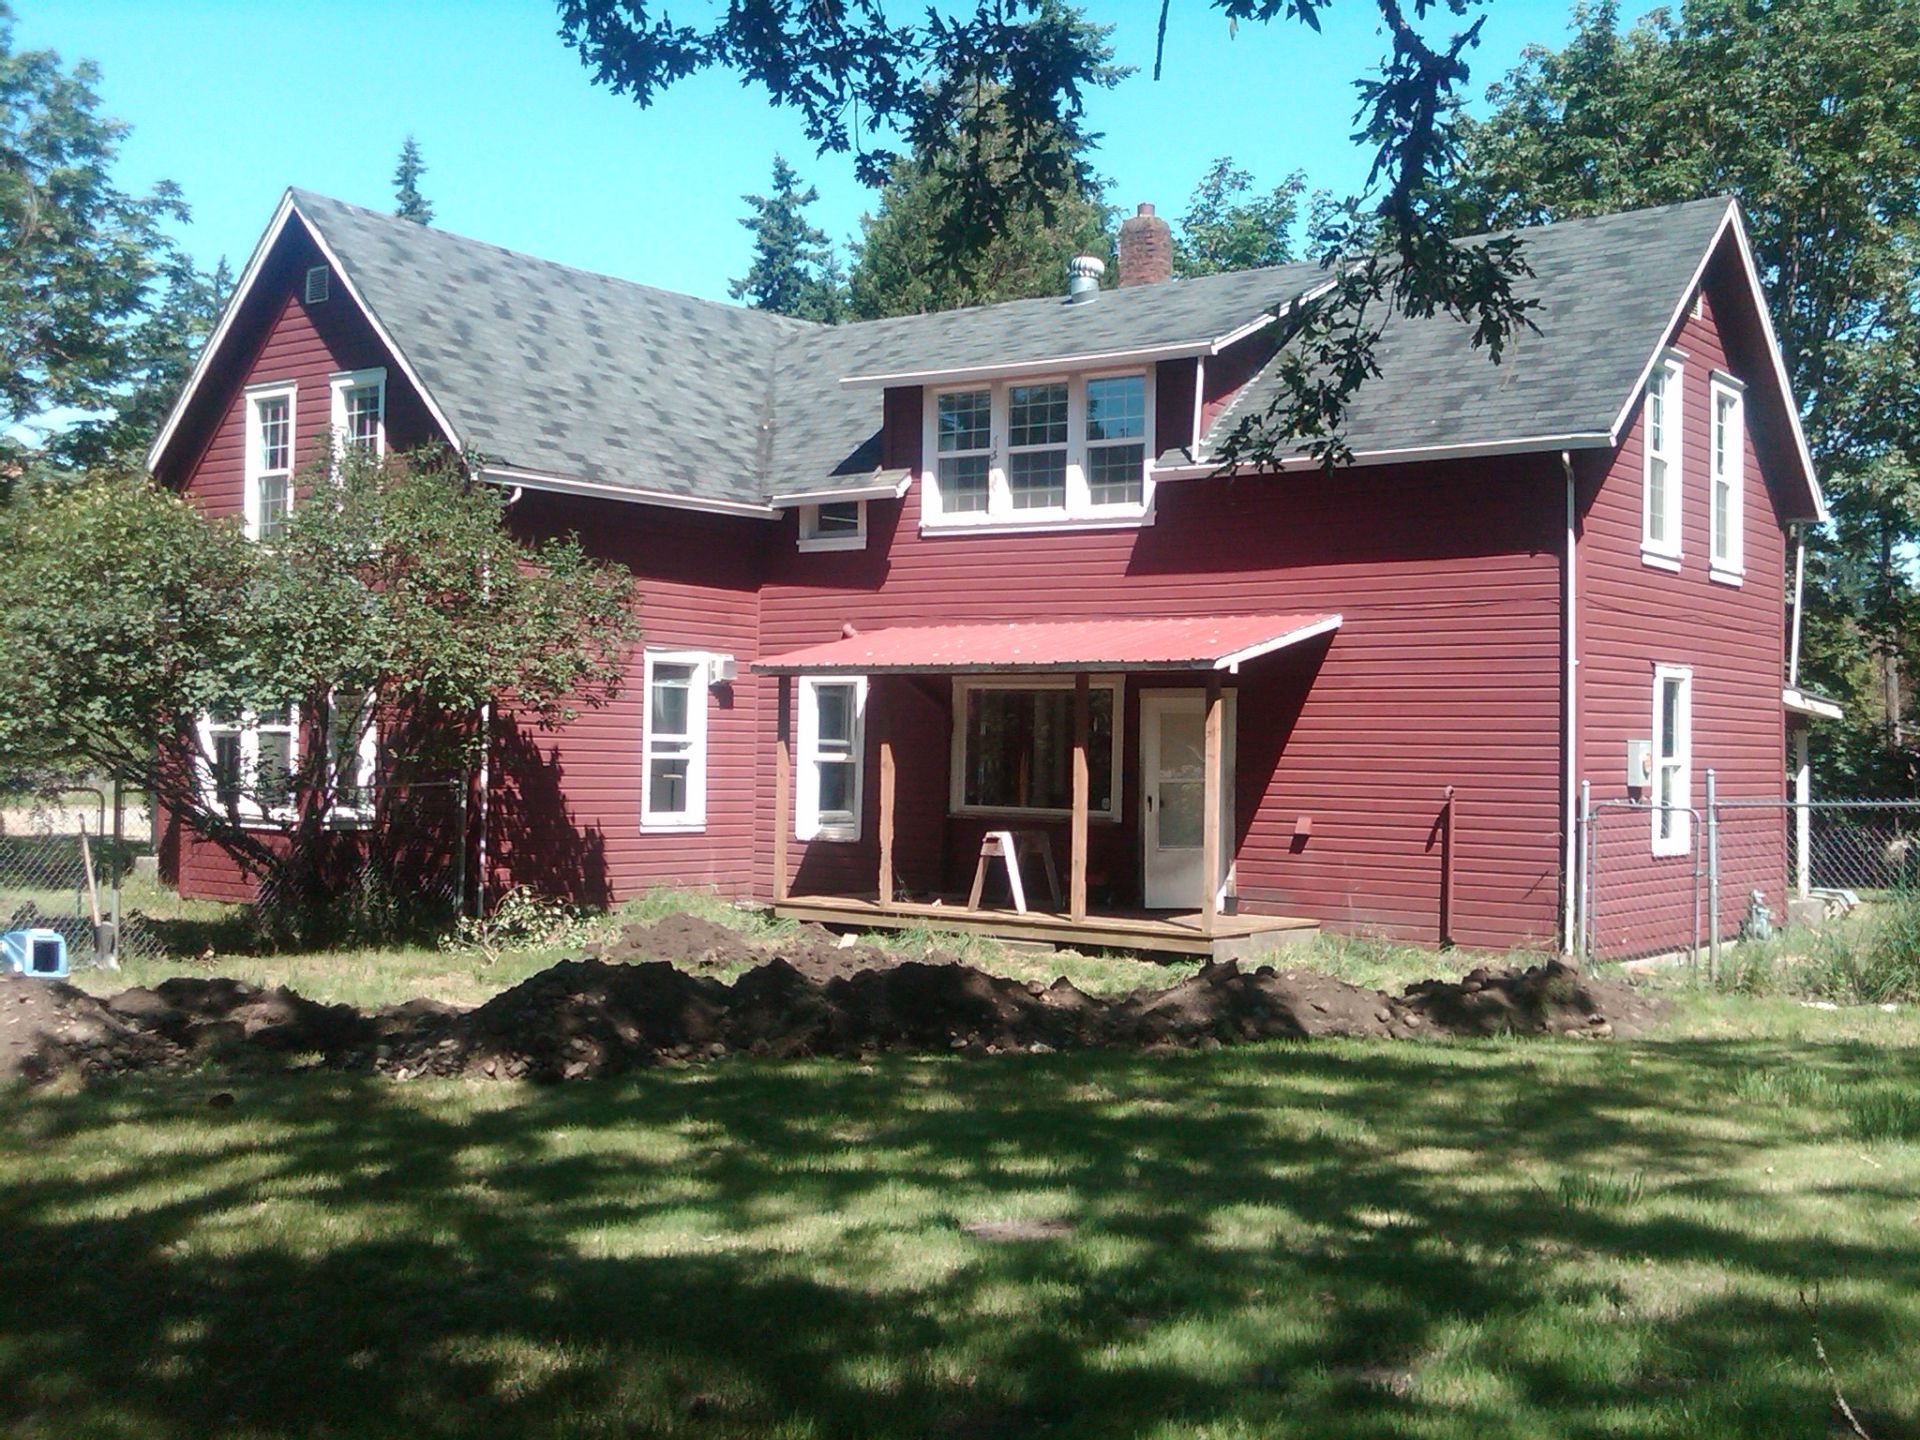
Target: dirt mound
(49, 1028)
(680, 939)
(583, 1018)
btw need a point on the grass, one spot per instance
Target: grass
(1336, 1239)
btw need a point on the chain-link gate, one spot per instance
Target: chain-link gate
(1635, 902)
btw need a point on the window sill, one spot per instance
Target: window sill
(833, 542)
(1044, 522)
(1660, 560)
(1727, 575)
(832, 837)
(1670, 852)
(673, 827)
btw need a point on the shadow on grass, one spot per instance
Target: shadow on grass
(1326, 1240)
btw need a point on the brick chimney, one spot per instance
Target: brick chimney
(1146, 249)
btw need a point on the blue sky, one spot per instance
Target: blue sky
(235, 101)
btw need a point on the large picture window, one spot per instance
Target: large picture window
(832, 747)
(673, 792)
(1073, 451)
(1013, 747)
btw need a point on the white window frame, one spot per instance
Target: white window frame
(1079, 512)
(343, 382)
(1680, 841)
(249, 729)
(808, 823)
(1669, 375)
(812, 539)
(964, 686)
(254, 470)
(1726, 465)
(694, 817)
(366, 770)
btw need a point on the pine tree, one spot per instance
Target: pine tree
(409, 203)
(794, 269)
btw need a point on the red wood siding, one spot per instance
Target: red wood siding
(1446, 672)
(564, 808)
(1632, 616)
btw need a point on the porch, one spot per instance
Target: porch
(1022, 730)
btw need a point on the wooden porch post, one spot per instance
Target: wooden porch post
(782, 782)
(886, 805)
(1210, 819)
(1082, 786)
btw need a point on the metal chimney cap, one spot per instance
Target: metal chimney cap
(1083, 277)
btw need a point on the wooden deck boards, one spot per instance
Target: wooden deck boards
(1234, 937)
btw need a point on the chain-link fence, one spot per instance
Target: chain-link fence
(68, 851)
(1690, 881)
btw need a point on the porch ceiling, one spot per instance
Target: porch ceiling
(1193, 642)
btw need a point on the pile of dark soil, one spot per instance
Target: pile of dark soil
(603, 1016)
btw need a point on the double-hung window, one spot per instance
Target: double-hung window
(249, 760)
(1726, 479)
(1073, 452)
(360, 411)
(268, 496)
(1672, 759)
(832, 748)
(674, 741)
(1013, 747)
(1661, 483)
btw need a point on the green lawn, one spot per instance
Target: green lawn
(1328, 1239)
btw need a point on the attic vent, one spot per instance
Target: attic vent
(1700, 304)
(316, 284)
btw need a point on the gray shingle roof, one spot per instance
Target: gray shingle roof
(597, 379)
(1607, 289)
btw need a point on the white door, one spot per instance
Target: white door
(1173, 783)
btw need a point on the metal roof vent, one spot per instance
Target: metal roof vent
(1083, 278)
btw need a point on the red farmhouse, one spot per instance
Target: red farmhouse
(918, 590)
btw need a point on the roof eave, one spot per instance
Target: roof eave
(633, 495)
(1408, 455)
(879, 485)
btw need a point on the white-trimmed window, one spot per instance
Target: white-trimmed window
(360, 411)
(353, 738)
(1660, 444)
(1672, 759)
(674, 730)
(1066, 451)
(268, 496)
(833, 710)
(834, 525)
(1726, 479)
(1013, 747)
(249, 761)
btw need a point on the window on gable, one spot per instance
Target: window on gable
(834, 525)
(360, 411)
(1073, 451)
(1660, 441)
(1013, 747)
(1727, 479)
(831, 749)
(1672, 759)
(268, 498)
(674, 741)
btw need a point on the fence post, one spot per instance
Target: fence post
(460, 848)
(1583, 931)
(1713, 882)
(1802, 817)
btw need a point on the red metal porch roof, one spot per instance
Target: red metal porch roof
(1195, 642)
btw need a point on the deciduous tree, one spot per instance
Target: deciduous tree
(1230, 226)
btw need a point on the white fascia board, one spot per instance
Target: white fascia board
(1468, 450)
(565, 485)
(1802, 702)
(1268, 317)
(1752, 272)
(1233, 662)
(248, 277)
(1051, 365)
(881, 485)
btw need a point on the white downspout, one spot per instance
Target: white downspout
(1570, 858)
(1799, 592)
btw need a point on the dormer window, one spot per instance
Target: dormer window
(1070, 451)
